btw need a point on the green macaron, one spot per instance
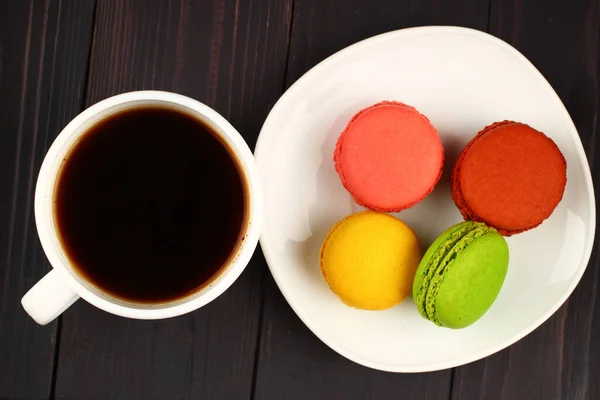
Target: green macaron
(461, 275)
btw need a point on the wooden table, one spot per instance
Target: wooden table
(239, 56)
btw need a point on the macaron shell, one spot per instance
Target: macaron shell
(389, 157)
(431, 261)
(456, 191)
(509, 176)
(472, 282)
(369, 260)
(444, 266)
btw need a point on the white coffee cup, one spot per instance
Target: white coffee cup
(62, 286)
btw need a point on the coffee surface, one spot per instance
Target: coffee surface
(150, 205)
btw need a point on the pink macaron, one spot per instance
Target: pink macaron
(389, 157)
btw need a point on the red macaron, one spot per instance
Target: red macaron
(389, 157)
(509, 176)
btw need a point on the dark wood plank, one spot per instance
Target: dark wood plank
(293, 363)
(469, 13)
(561, 359)
(230, 55)
(44, 48)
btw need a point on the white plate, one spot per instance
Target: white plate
(462, 80)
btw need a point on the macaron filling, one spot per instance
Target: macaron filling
(434, 263)
(445, 265)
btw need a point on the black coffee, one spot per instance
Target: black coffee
(150, 205)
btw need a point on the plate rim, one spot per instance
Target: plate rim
(582, 158)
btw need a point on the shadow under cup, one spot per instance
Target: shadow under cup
(150, 205)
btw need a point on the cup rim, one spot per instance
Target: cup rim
(49, 237)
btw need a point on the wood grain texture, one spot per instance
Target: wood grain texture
(44, 48)
(293, 363)
(561, 359)
(230, 55)
(469, 13)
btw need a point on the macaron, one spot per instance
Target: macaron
(509, 176)
(369, 260)
(460, 275)
(389, 157)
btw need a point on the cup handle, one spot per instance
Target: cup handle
(48, 298)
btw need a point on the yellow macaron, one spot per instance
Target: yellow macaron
(369, 260)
